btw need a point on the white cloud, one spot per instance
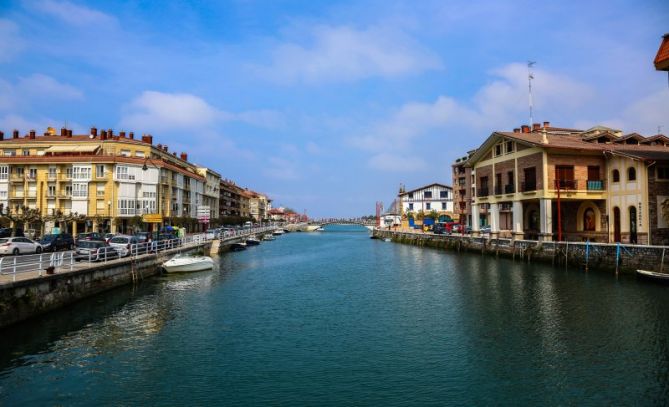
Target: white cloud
(73, 14)
(342, 53)
(10, 41)
(158, 111)
(39, 85)
(646, 114)
(395, 139)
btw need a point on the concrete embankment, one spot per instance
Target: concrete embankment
(608, 257)
(27, 298)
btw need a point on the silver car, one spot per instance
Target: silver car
(123, 244)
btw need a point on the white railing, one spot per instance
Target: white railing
(13, 265)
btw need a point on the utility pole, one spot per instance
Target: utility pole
(530, 76)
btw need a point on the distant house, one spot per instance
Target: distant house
(662, 57)
(433, 197)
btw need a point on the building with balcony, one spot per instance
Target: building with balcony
(211, 196)
(99, 181)
(463, 190)
(230, 199)
(554, 183)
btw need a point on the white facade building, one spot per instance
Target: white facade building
(433, 197)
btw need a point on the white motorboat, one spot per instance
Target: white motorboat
(278, 232)
(252, 241)
(268, 237)
(653, 274)
(187, 264)
(238, 247)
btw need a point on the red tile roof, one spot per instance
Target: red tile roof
(662, 57)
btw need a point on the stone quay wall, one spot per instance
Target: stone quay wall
(614, 258)
(24, 299)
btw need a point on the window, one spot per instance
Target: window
(443, 206)
(530, 183)
(509, 147)
(3, 194)
(100, 171)
(19, 171)
(589, 220)
(662, 172)
(428, 206)
(52, 172)
(82, 173)
(411, 206)
(122, 172)
(100, 189)
(51, 191)
(427, 194)
(444, 194)
(68, 190)
(26, 152)
(139, 154)
(4, 172)
(498, 149)
(79, 190)
(631, 174)
(410, 195)
(32, 173)
(10, 153)
(68, 172)
(125, 153)
(615, 176)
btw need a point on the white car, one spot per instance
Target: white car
(18, 245)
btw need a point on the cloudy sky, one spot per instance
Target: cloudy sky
(328, 106)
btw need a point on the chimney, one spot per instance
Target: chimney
(516, 130)
(544, 138)
(525, 128)
(32, 134)
(536, 126)
(165, 148)
(547, 124)
(110, 133)
(94, 132)
(122, 134)
(15, 134)
(184, 156)
(149, 139)
(103, 135)
(63, 132)
(69, 133)
(2, 135)
(174, 153)
(131, 135)
(160, 147)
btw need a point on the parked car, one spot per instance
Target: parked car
(108, 236)
(53, 243)
(5, 232)
(142, 237)
(90, 236)
(486, 229)
(18, 245)
(123, 244)
(458, 228)
(95, 250)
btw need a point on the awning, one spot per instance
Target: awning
(72, 149)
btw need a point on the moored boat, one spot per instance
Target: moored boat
(269, 237)
(654, 275)
(187, 264)
(237, 247)
(252, 241)
(278, 232)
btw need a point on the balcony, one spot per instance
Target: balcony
(566, 184)
(65, 195)
(595, 185)
(17, 178)
(509, 189)
(483, 191)
(529, 186)
(164, 179)
(498, 190)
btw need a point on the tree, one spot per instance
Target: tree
(434, 215)
(420, 215)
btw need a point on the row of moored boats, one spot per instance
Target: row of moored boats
(186, 264)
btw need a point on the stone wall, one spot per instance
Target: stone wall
(583, 255)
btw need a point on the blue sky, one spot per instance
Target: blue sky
(328, 106)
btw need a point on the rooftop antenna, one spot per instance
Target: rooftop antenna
(530, 76)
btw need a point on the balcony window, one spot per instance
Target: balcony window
(427, 194)
(631, 174)
(530, 183)
(615, 176)
(52, 172)
(100, 171)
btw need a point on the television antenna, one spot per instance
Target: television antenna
(530, 76)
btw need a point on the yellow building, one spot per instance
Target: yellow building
(100, 181)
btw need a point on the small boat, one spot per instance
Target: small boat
(387, 240)
(187, 264)
(319, 230)
(654, 275)
(252, 241)
(278, 232)
(268, 237)
(238, 247)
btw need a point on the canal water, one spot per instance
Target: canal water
(335, 318)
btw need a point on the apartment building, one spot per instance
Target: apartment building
(463, 190)
(230, 199)
(432, 197)
(552, 183)
(99, 181)
(211, 196)
(258, 205)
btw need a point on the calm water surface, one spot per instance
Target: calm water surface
(335, 318)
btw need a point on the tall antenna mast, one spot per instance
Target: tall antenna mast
(530, 76)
